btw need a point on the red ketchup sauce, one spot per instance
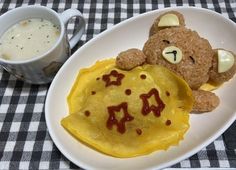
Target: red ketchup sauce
(167, 93)
(87, 113)
(112, 120)
(138, 131)
(107, 78)
(128, 92)
(143, 76)
(156, 109)
(168, 122)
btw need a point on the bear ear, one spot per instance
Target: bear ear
(167, 20)
(225, 60)
(223, 66)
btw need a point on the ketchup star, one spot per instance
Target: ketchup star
(156, 109)
(113, 73)
(112, 120)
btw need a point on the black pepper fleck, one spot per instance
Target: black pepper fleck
(12, 37)
(21, 48)
(29, 38)
(47, 36)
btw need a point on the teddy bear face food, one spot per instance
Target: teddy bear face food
(184, 52)
(195, 52)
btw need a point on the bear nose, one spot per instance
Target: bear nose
(172, 54)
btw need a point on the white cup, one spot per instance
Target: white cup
(42, 69)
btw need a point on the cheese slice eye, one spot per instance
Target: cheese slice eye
(172, 54)
(128, 113)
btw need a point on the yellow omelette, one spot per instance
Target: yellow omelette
(128, 113)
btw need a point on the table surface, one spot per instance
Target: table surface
(24, 139)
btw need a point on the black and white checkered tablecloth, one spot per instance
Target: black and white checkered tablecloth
(24, 139)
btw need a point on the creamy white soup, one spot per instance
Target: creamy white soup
(27, 39)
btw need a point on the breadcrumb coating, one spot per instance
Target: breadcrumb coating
(197, 54)
(130, 58)
(204, 101)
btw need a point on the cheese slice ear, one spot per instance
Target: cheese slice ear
(128, 113)
(225, 60)
(168, 20)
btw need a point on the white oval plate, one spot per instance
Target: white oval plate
(205, 128)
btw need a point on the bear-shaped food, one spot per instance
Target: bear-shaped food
(184, 52)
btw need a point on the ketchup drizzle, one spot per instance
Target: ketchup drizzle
(146, 109)
(143, 76)
(138, 131)
(168, 122)
(112, 117)
(127, 91)
(107, 78)
(87, 113)
(167, 93)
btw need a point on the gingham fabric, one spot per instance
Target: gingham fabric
(24, 139)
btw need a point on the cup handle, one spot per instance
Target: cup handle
(66, 16)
